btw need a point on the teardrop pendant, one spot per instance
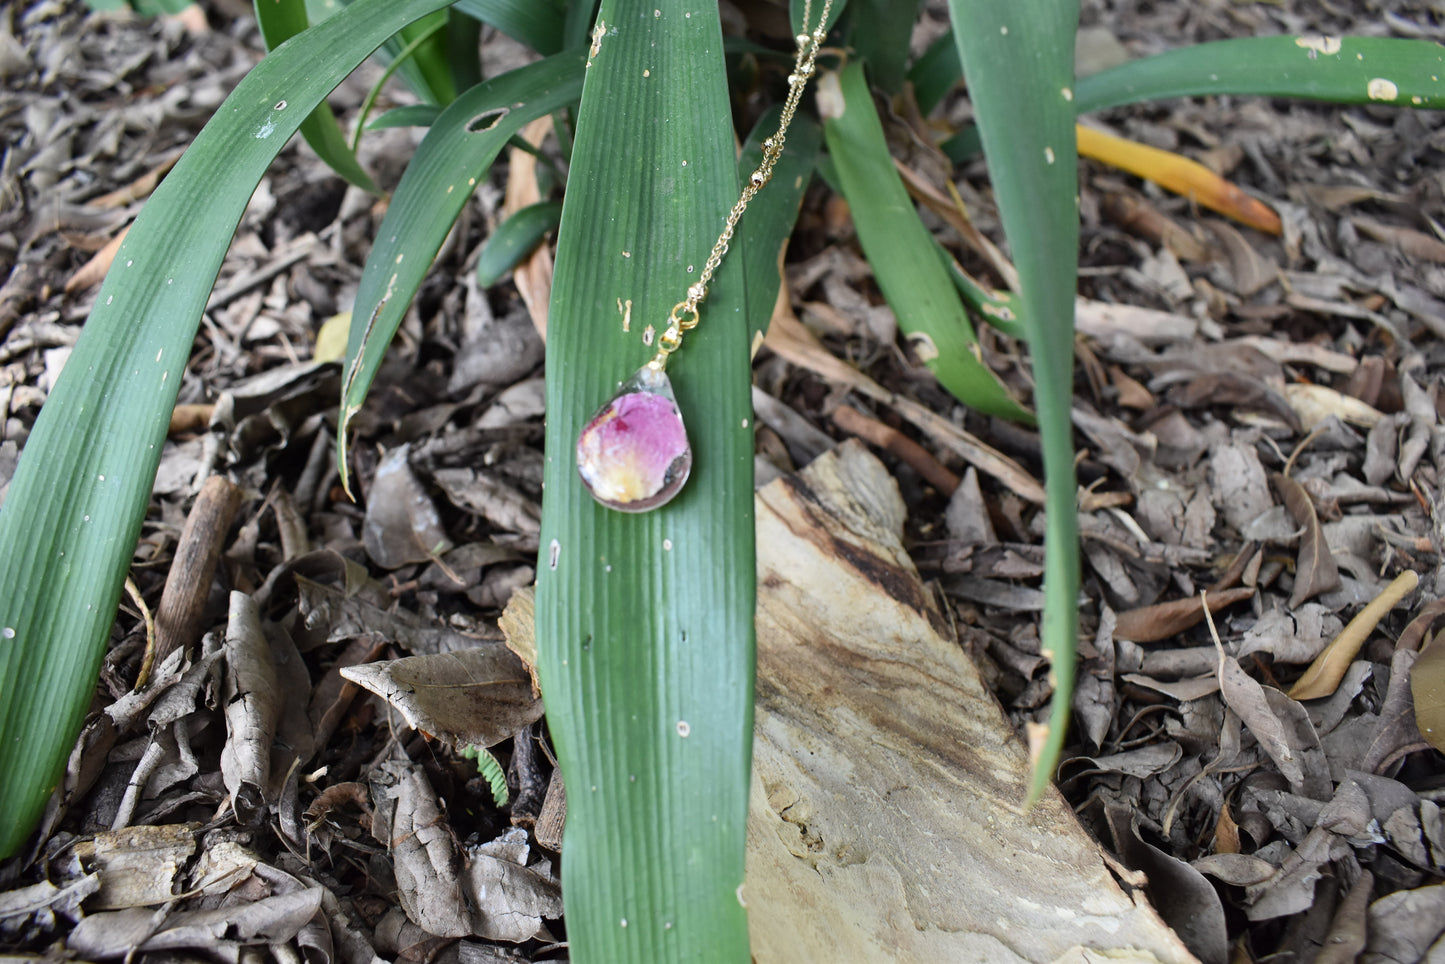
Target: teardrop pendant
(633, 454)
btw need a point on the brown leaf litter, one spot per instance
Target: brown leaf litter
(1259, 418)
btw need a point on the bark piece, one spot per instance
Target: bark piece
(862, 702)
(138, 866)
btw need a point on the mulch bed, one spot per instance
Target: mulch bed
(1270, 431)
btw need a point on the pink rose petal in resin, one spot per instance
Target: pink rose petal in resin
(633, 455)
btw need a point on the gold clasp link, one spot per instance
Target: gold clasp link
(683, 316)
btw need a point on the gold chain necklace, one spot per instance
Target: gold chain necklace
(633, 454)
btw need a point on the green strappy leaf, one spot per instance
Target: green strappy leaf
(645, 622)
(69, 524)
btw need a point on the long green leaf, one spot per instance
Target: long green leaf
(879, 31)
(1389, 71)
(420, 52)
(516, 238)
(536, 23)
(453, 158)
(280, 20)
(936, 73)
(900, 249)
(68, 527)
(645, 622)
(1018, 59)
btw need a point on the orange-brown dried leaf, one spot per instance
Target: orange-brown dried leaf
(1325, 673)
(1180, 175)
(1149, 624)
(1142, 219)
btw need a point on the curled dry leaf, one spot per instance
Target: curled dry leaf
(1325, 673)
(485, 891)
(252, 709)
(1282, 740)
(1149, 624)
(1315, 570)
(1312, 404)
(221, 931)
(188, 585)
(1348, 928)
(1186, 901)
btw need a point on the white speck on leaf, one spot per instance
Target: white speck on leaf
(1381, 89)
(264, 131)
(666, 545)
(1049, 154)
(1317, 45)
(683, 728)
(554, 552)
(923, 346)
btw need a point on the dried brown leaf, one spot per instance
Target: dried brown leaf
(1237, 390)
(402, 525)
(477, 696)
(1415, 244)
(1315, 570)
(220, 931)
(1137, 216)
(1280, 738)
(1427, 684)
(1313, 404)
(1251, 271)
(1404, 926)
(1187, 902)
(1325, 673)
(789, 339)
(1149, 624)
(138, 866)
(253, 706)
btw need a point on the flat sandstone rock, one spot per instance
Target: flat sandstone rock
(886, 819)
